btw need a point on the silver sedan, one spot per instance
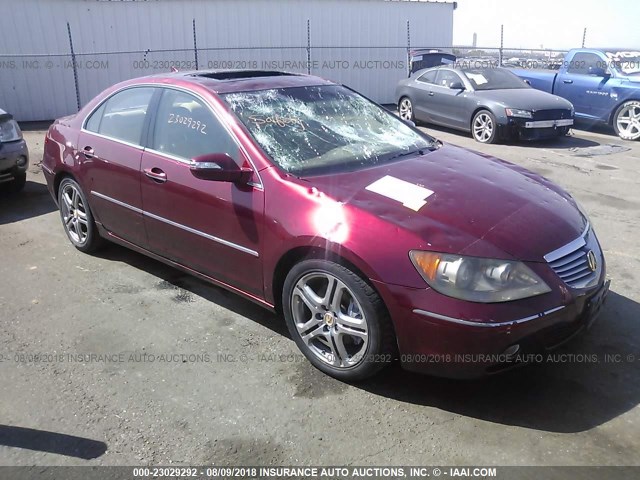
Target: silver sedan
(491, 103)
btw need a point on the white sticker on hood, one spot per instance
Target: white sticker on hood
(409, 194)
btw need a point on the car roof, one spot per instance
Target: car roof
(229, 81)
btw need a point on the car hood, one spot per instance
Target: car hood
(480, 206)
(524, 98)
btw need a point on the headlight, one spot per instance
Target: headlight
(475, 279)
(10, 131)
(514, 112)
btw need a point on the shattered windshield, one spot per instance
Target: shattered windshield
(322, 129)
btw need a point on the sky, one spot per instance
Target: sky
(551, 23)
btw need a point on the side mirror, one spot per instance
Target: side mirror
(456, 86)
(219, 167)
(598, 72)
(408, 122)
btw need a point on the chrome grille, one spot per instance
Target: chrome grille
(571, 262)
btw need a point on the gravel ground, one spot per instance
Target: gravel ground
(200, 376)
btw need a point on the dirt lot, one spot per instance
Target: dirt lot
(195, 374)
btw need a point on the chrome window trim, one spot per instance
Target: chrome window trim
(117, 140)
(177, 225)
(259, 185)
(169, 156)
(484, 324)
(569, 247)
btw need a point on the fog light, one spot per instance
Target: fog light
(22, 161)
(512, 350)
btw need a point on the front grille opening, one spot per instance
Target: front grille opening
(242, 74)
(552, 114)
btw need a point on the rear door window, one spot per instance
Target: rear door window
(122, 116)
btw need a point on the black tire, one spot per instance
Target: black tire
(633, 133)
(378, 352)
(17, 184)
(485, 136)
(403, 104)
(78, 222)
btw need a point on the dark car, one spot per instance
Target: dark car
(426, 58)
(491, 103)
(373, 239)
(14, 155)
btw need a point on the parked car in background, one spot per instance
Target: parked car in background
(492, 103)
(373, 239)
(602, 85)
(14, 155)
(422, 58)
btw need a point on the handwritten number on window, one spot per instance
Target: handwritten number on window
(188, 122)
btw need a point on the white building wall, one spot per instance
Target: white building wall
(42, 87)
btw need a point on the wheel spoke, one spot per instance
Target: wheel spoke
(67, 200)
(345, 320)
(308, 296)
(304, 327)
(74, 198)
(73, 229)
(313, 335)
(336, 296)
(327, 298)
(340, 350)
(346, 330)
(335, 358)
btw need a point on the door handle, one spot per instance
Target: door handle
(567, 81)
(431, 94)
(156, 174)
(88, 152)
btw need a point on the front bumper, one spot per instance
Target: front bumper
(14, 160)
(448, 346)
(527, 129)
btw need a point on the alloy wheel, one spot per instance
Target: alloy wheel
(406, 109)
(329, 320)
(483, 127)
(628, 121)
(74, 214)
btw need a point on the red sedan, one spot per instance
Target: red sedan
(373, 239)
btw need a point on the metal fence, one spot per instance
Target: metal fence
(56, 84)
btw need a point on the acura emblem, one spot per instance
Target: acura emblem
(591, 260)
(328, 319)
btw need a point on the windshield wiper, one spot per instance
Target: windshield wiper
(420, 151)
